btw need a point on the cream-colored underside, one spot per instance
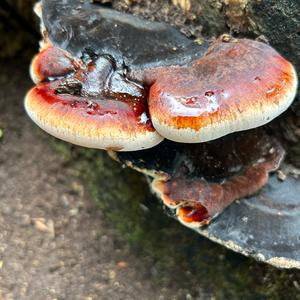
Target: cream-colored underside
(87, 136)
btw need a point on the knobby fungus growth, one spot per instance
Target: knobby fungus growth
(113, 81)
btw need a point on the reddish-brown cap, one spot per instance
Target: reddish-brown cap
(237, 85)
(117, 124)
(197, 200)
(51, 62)
(72, 102)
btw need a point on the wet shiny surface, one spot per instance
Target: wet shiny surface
(137, 43)
(52, 62)
(232, 81)
(238, 174)
(190, 214)
(210, 175)
(264, 225)
(91, 89)
(214, 160)
(126, 109)
(232, 85)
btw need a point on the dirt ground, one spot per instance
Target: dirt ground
(54, 244)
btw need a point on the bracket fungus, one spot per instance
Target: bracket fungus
(237, 85)
(110, 80)
(199, 182)
(86, 102)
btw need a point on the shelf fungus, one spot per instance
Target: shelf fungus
(86, 102)
(188, 116)
(206, 181)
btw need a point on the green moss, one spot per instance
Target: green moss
(63, 149)
(181, 259)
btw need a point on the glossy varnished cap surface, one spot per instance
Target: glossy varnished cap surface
(264, 226)
(237, 85)
(74, 25)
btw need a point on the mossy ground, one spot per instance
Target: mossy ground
(179, 256)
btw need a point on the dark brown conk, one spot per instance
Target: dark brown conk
(113, 81)
(199, 182)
